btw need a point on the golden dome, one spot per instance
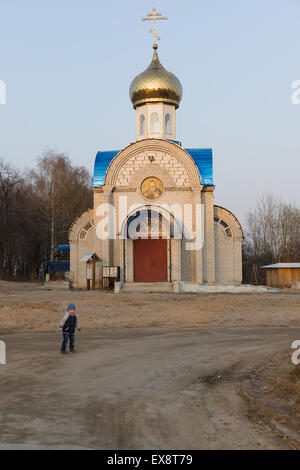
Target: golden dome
(155, 84)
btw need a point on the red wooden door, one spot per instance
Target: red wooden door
(150, 260)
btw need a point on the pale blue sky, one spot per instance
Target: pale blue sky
(68, 64)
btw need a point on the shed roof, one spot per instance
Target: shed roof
(89, 257)
(282, 265)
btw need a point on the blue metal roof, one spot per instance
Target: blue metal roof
(102, 162)
(204, 162)
(203, 159)
(63, 247)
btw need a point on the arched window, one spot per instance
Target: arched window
(85, 230)
(154, 123)
(224, 226)
(168, 124)
(142, 124)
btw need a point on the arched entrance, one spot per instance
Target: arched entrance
(150, 233)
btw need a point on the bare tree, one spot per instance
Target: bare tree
(63, 192)
(273, 232)
(36, 211)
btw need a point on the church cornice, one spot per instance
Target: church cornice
(153, 145)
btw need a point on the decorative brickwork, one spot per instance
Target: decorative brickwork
(163, 164)
(79, 247)
(169, 156)
(228, 249)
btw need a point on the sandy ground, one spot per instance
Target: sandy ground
(28, 307)
(155, 371)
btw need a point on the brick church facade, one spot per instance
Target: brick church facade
(151, 201)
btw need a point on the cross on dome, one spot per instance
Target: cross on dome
(154, 17)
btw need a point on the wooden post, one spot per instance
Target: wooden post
(94, 275)
(89, 277)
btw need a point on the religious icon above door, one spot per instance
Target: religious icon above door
(152, 188)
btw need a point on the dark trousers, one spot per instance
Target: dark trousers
(66, 338)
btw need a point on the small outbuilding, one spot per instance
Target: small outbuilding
(91, 260)
(282, 274)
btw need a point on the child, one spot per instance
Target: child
(67, 325)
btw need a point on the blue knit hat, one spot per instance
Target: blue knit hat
(71, 307)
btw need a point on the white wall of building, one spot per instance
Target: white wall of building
(156, 121)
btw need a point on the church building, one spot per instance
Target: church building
(154, 218)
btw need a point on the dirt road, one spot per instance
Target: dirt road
(147, 388)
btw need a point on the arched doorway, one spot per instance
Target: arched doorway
(150, 233)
